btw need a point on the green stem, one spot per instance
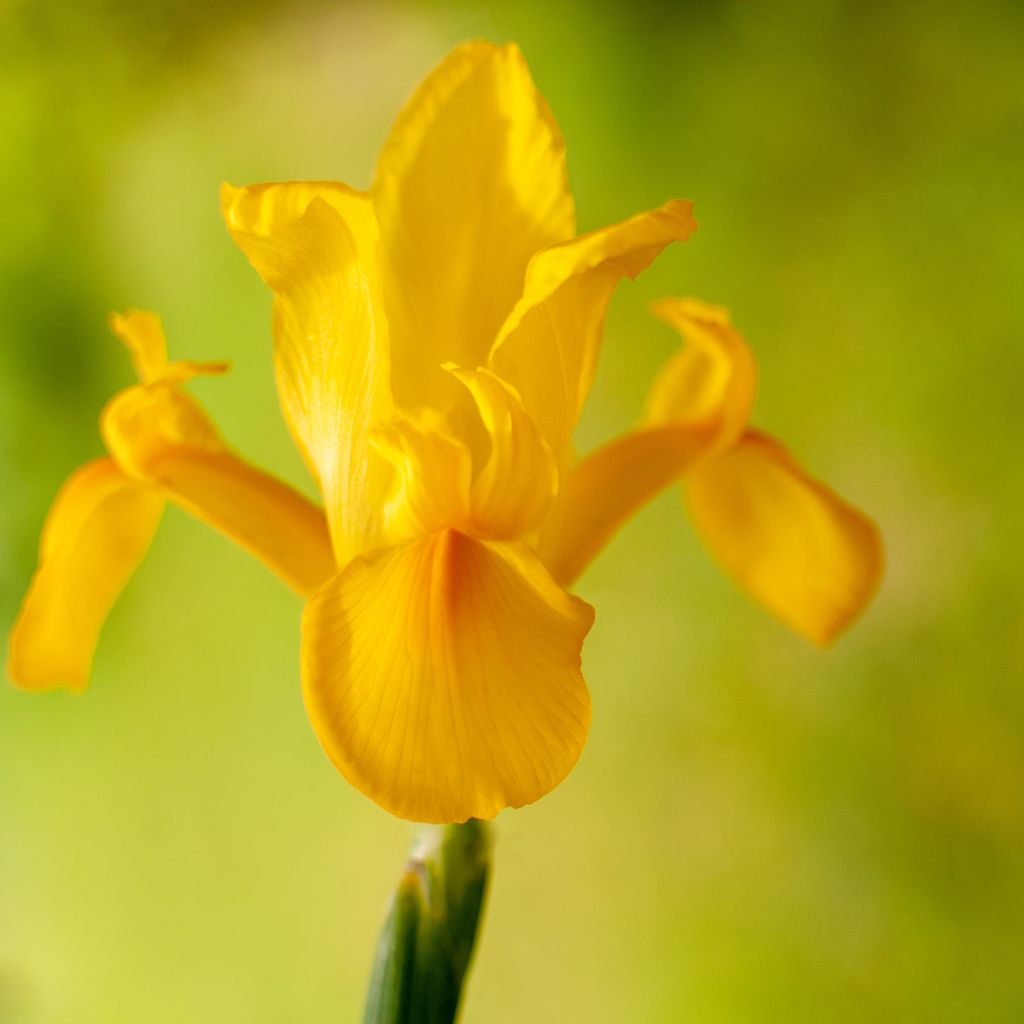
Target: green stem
(427, 941)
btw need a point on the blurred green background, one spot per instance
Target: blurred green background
(757, 831)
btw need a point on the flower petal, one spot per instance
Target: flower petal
(95, 535)
(162, 437)
(432, 481)
(143, 336)
(267, 209)
(795, 546)
(330, 337)
(471, 183)
(609, 486)
(712, 378)
(548, 346)
(443, 678)
(699, 403)
(517, 483)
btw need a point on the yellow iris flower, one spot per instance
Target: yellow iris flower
(435, 339)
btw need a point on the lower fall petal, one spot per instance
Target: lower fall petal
(443, 677)
(97, 531)
(795, 546)
(163, 438)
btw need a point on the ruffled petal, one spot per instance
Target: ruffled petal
(547, 348)
(471, 183)
(809, 557)
(712, 379)
(433, 471)
(443, 678)
(608, 487)
(315, 246)
(95, 535)
(162, 438)
(516, 485)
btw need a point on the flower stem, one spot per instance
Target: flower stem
(427, 941)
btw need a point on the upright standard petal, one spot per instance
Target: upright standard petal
(443, 678)
(809, 557)
(162, 438)
(471, 183)
(548, 347)
(330, 337)
(95, 535)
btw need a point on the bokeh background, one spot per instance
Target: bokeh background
(757, 831)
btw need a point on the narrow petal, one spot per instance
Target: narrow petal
(433, 472)
(517, 483)
(95, 535)
(712, 378)
(443, 678)
(330, 337)
(795, 546)
(143, 336)
(471, 183)
(608, 487)
(162, 438)
(548, 347)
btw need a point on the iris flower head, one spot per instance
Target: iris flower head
(435, 339)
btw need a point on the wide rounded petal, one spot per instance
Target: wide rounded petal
(548, 346)
(95, 535)
(162, 438)
(608, 487)
(808, 556)
(315, 246)
(471, 183)
(443, 678)
(713, 378)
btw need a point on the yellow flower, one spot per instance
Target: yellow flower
(794, 545)
(162, 446)
(435, 339)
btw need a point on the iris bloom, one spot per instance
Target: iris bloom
(435, 339)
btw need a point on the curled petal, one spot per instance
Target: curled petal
(96, 533)
(432, 480)
(713, 378)
(608, 487)
(443, 678)
(266, 210)
(470, 184)
(143, 336)
(548, 346)
(330, 337)
(517, 483)
(809, 557)
(162, 438)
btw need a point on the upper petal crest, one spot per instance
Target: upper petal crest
(330, 336)
(470, 184)
(547, 348)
